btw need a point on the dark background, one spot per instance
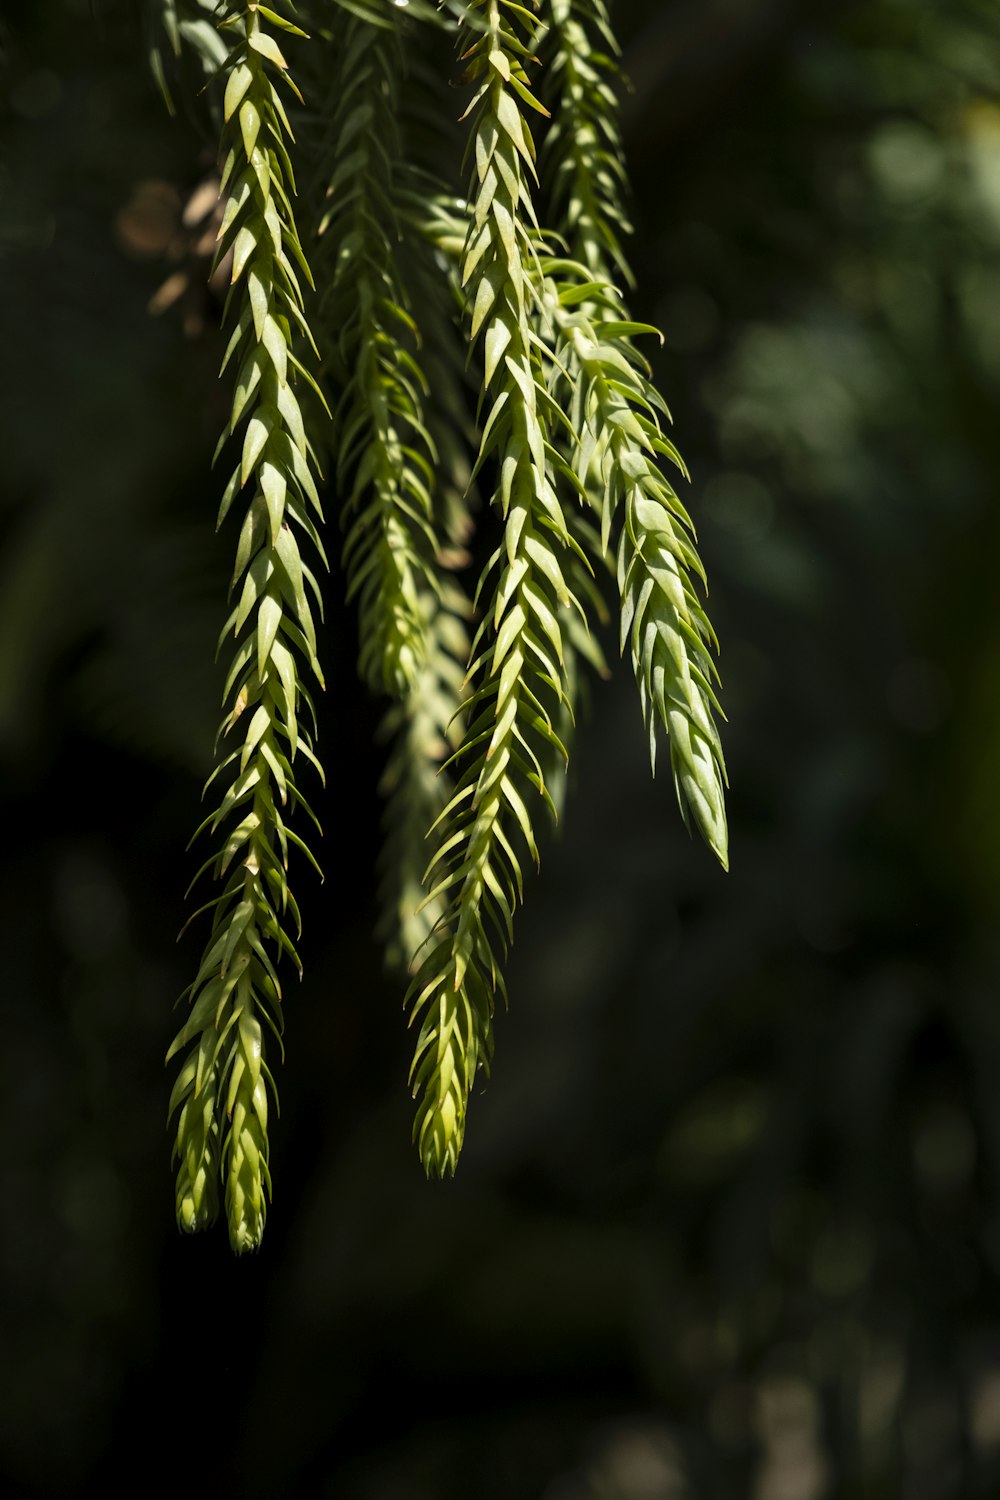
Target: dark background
(727, 1223)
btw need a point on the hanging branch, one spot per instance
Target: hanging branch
(663, 621)
(426, 725)
(583, 160)
(486, 831)
(221, 1094)
(616, 412)
(447, 225)
(385, 456)
(572, 443)
(401, 469)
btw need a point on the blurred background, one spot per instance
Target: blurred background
(728, 1223)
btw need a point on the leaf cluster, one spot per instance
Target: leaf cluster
(221, 1093)
(415, 285)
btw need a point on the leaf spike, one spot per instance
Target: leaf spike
(221, 1096)
(384, 455)
(481, 841)
(615, 409)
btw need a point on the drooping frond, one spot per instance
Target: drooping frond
(663, 621)
(486, 833)
(221, 1094)
(427, 724)
(402, 465)
(583, 159)
(446, 224)
(416, 287)
(385, 456)
(616, 413)
(436, 230)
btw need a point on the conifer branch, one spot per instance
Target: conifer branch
(424, 730)
(401, 459)
(221, 1094)
(436, 230)
(572, 444)
(386, 458)
(426, 726)
(616, 413)
(486, 831)
(663, 621)
(583, 157)
(447, 226)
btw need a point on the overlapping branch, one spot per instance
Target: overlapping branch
(221, 1094)
(401, 465)
(663, 621)
(486, 835)
(584, 165)
(385, 456)
(616, 414)
(572, 446)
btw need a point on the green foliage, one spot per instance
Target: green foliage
(181, 31)
(730, 1207)
(221, 1093)
(486, 833)
(584, 165)
(412, 282)
(385, 456)
(663, 622)
(617, 412)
